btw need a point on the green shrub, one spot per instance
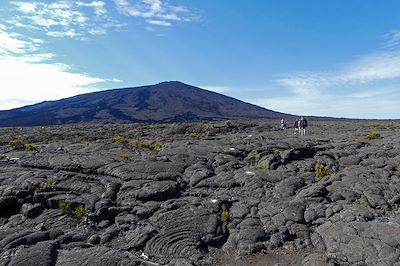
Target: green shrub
(79, 211)
(119, 139)
(276, 152)
(321, 170)
(64, 207)
(157, 146)
(16, 142)
(372, 135)
(262, 166)
(31, 147)
(225, 217)
(145, 145)
(125, 155)
(47, 185)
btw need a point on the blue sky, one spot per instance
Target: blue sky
(333, 58)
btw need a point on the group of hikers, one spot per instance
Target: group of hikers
(299, 126)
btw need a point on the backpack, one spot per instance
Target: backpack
(303, 123)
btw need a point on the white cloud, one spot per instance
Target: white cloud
(328, 93)
(28, 77)
(155, 12)
(368, 68)
(373, 106)
(64, 18)
(159, 22)
(27, 81)
(392, 39)
(218, 89)
(99, 7)
(26, 7)
(9, 43)
(68, 33)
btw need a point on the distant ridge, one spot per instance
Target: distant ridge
(164, 102)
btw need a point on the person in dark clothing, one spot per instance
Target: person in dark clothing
(296, 126)
(302, 126)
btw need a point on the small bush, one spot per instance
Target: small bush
(31, 147)
(262, 166)
(79, 211)
(372, 135)
(225, 217)
(276, 152)
(119, 139)
(47, 185)
(16, 142)
(64, 207)
(125, 156)
(157, 146)
(321, 170)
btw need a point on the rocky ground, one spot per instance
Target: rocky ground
(215, 193)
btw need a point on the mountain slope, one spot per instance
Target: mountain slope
(163, 102)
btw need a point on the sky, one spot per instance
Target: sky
(326, 58)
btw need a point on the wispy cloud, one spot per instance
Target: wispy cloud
(365, 87)
(159, 22)
(368, 68)
(64, 18)
(155, 12)
(372, 104)
(30, 75)
(219, 89)
(324, 93)
(10, 44)
(392, 39)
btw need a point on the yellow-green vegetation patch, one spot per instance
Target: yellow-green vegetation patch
(225, 216)
(79, 211)
(145, 145)
(16, 142)
(197, 136)
(321, 170)
(65, 207)
(276, 152)
(372, 135)
(262, 166)
(31, 147)
(119, 139)
(47, 185)
(125, 155)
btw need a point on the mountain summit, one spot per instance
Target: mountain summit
(163, 102)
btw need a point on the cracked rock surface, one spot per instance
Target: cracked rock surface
(211, 193)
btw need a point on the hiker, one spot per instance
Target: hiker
(283, 124)
(296, 126)
(302, 126)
